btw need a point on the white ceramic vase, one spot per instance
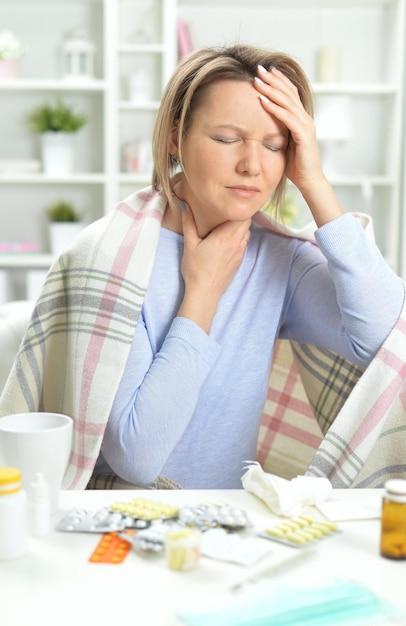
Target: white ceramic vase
(57, 152)
(61, 235)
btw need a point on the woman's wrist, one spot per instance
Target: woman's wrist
(199, 309)
(322, 201)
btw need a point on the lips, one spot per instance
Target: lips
(244, 191)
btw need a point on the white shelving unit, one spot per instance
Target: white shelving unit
(99, 180)
(146, 56)
(371, 37)
(24, 198)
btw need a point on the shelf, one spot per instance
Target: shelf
(359, 181)
(135, 179)
(42, 84)
(336, 181)
(355, 89)
(127, 105)
(34, 3)
(41, 179)
(26, 261)
(142, 48)
(305, 4)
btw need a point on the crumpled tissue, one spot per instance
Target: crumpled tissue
(285, 497)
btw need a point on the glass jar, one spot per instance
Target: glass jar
(182, 548)
(393, 524)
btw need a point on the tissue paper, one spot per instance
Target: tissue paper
(285, 497)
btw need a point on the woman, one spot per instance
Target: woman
(210, 291)
(228, 134)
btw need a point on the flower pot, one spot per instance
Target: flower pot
(61, 235)
(9, 68)
(57, 152)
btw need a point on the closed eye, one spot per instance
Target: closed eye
(226, 139)
(231, 140)
(272, 147)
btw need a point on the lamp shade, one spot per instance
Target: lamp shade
(333, 118)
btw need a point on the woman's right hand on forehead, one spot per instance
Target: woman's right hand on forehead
(280, 98)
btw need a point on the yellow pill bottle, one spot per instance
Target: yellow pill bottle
(393, 524)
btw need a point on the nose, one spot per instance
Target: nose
(249, 158)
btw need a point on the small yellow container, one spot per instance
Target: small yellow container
(393, 525)
(182, 548)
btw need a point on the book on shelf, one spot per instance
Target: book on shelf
(185, 42)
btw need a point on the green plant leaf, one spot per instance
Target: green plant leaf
(62, 212)
(57, 117)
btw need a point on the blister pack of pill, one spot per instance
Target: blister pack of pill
(138, 514)
(212, 515)
(111, 548)
(145, 509)
(141, 513)
(100, 521)
(151, 539)
(300, 531)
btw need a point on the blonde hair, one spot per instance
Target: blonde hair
(187, 87)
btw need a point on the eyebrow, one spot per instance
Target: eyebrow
(238, 129)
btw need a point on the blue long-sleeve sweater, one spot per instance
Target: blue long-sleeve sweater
(189, 404)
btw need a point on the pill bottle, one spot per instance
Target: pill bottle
(182, 548)
(13, 514)
(393, 524)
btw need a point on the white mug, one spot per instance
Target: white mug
(37, 442)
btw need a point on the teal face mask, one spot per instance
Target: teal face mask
(343, 602)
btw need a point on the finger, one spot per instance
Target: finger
(279, 90)
(286, 107)
(278, 80)
(280, 101)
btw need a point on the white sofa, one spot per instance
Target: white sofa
(14, 317)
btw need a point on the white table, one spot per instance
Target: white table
(55, 584)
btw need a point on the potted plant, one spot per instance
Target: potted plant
(57, 124)
(65, 222)
(12, 49)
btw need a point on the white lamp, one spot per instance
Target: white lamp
(333, 121)
(78, 56)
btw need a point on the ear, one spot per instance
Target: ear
(173, 146)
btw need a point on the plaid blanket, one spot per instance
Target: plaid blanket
(326, 417)
(76, 345)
